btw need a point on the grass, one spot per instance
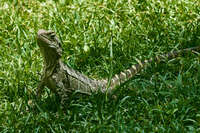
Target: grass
(164, 97)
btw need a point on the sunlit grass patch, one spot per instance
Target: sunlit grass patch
(162, 98)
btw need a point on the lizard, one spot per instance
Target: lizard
(64, 80)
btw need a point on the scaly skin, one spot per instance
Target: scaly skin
(58, 77)
(64, 80)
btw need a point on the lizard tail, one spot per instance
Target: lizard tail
(134, 69)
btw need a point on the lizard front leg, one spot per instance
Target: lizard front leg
(40, 87)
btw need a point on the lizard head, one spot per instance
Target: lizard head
(48, 41)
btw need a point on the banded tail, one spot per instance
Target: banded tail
(134, 69)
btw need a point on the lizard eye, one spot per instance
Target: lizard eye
(52, 35)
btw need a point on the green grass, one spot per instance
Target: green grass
(163, 98)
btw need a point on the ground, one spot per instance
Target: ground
(101, 38)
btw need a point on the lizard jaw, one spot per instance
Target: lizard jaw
(43, 36)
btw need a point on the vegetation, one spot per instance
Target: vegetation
(102, 38)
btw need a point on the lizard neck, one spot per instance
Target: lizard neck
(51, 61)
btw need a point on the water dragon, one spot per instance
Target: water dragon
(64, 80)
